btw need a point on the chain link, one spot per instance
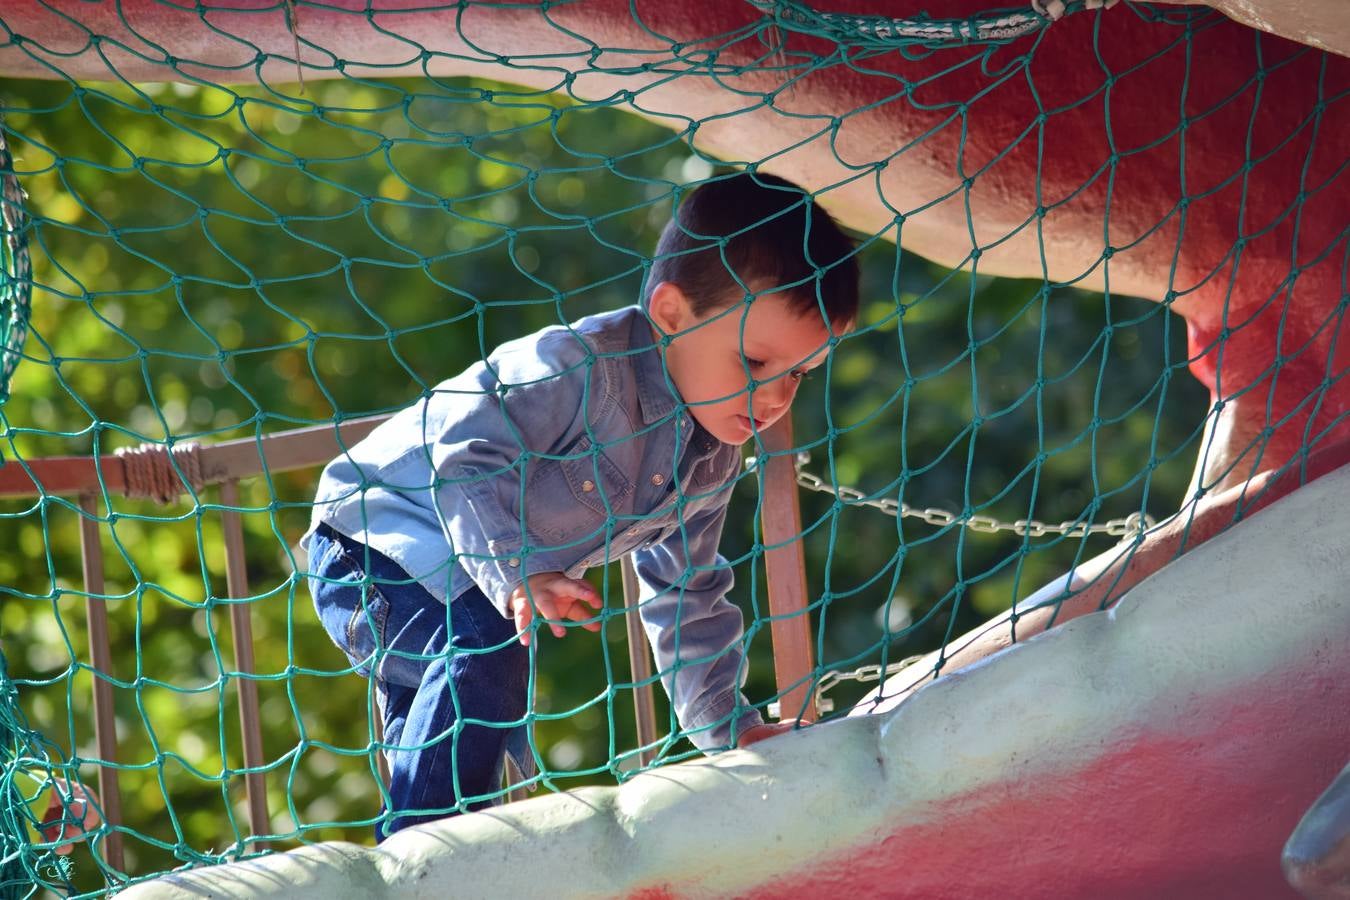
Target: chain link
(1134, 523)
(862, 675)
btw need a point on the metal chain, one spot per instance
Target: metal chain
(1134, 523)
(862, 674)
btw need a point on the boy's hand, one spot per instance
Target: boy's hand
(70, 815)
(558, 599)
(767, 730)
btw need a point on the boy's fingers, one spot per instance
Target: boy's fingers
(577, 589)
(546, 603)
(578, 613)
(520, 609)
(557, 599)
(586, 594)
(758, 733)
(70, 815)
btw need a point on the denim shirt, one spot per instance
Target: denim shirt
(561, 451)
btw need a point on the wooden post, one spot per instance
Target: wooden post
(241, 625)
(100, 653)
(514, 781)
(640, 664)
(785, 565)
(381, 760)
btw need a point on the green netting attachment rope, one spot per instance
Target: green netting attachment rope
(920, 31)
(16, 281)
(18, 859)
(26, 780)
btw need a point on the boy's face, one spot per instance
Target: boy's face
(738, 368)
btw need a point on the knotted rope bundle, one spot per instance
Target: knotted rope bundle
(156, 472)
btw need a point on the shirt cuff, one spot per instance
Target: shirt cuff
(509, 565)
(497, 575)
(719, 723)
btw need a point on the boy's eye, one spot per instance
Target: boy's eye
(754, 363)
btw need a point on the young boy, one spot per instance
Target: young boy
(445, 539)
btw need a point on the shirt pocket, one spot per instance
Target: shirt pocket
(570, 498)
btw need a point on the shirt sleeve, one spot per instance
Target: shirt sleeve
(498, 414)
(695, 631)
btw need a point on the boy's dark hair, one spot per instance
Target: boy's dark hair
(776, 235)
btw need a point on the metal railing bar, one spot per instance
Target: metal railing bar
(229, 460)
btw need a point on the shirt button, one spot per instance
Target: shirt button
(588, 486)
(658, 478)
(513, 562)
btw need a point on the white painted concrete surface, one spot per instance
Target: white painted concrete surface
(1265, 598)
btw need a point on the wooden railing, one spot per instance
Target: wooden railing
(223, 465)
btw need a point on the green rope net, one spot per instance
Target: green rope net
(33, 774)
(215, 262)
(16, 279)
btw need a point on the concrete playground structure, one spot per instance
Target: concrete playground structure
(1166, 746)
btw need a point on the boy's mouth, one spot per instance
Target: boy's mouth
(752, 425)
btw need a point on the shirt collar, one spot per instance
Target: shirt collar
(655, 396)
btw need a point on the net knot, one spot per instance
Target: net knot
(160, 473)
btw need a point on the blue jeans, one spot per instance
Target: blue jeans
(451, 680)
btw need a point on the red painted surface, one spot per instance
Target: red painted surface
(1198, 804)
(1219, 219)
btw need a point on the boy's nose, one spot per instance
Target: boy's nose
(772, 397)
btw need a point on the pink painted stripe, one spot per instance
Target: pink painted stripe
(1198, 807)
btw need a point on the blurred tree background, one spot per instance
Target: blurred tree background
(215, 263)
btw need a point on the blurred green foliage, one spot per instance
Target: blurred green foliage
(218, 263)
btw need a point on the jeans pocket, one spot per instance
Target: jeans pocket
(366, 628)
(351, 609)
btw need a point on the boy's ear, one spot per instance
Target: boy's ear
(669, 308)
